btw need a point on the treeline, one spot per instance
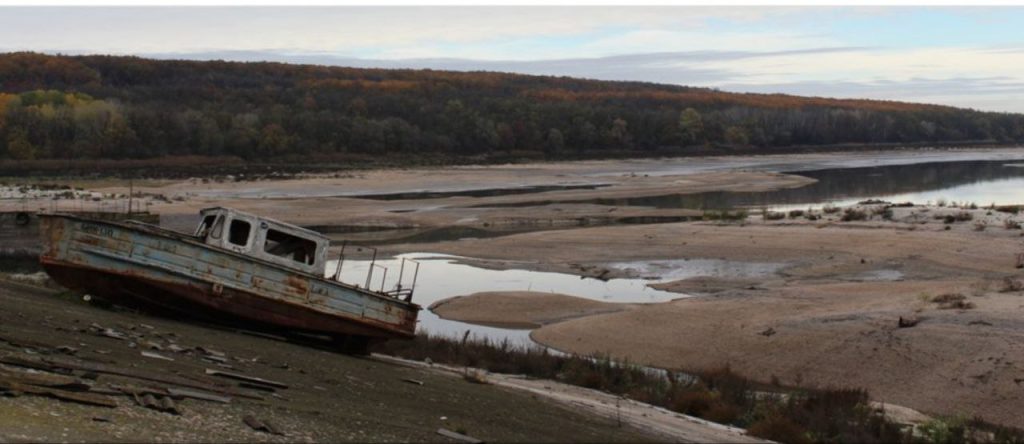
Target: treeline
(92, 107)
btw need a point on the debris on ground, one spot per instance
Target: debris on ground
(907, 322)
(458, 436)
(261, 425)
(248, 379)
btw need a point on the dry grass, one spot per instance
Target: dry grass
(952, 301)
(720, 395)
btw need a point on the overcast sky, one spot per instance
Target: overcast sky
(970, 57)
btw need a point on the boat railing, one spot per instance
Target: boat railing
(399, 291)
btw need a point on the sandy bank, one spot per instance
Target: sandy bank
(520, 309)
(829, 318)
(838, 335)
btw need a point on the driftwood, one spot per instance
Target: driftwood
(197, 394)
(54, 365)
(249, 379)
(44, 380)
(79, 397)
(458, 436)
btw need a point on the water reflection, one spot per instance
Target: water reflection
(981, 182)
(442, 276)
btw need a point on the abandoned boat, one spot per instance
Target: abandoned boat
(236, 266)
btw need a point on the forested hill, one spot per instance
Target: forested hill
(91, 107)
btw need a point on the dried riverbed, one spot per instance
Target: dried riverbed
(822, 308)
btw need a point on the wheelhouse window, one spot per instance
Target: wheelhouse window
(206, 225)
(289, 246)
(239, 232)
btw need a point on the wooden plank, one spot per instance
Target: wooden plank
(458, 436)
(245, 378)
(51, 364)
(81, 398)
(197, 394)
(42, 379)
(153, 355)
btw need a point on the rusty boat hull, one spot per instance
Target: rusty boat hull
(147, 267)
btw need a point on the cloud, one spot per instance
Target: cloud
(353, 30)
(961, 56)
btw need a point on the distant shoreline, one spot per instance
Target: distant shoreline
(172, 167)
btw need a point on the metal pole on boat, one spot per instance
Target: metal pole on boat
(401, 272)
(341, 260)
(383, 278)
(414, 276)
(369, 273)
(131, 195)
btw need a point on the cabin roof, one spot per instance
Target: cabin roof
(297, 229)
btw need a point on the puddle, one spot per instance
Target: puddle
(674, 270)
(878, 276)
(392, 236)
(441, 276)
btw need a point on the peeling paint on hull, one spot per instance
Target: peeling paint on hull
(147, 267)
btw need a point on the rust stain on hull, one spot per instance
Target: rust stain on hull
(149, 268)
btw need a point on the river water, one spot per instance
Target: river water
(982, 182)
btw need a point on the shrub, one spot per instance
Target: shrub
(779, 429)
(829, 209)
(980, 225)
(885, 212)
(834, 415)
(943, 430)
(693, 403)
(1010, 285)
(774, 215)
(852, 214)
(949, 301)
(962, 216)
(726, 215)
(793, 214)
(1011, 224)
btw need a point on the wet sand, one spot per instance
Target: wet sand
(520, 309)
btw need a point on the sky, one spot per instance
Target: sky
(960, 56)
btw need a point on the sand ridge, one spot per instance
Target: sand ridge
(520, 309)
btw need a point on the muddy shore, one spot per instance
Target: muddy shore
(329, 397)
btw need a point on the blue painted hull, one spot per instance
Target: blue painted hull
(145, 266)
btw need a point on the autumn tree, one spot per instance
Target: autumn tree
(736, 136)
(554, 143)
(18, 146)
(691, 127)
